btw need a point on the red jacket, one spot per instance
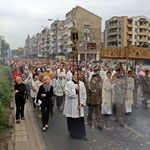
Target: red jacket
(17, 73)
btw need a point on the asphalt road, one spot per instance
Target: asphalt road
(134, 136)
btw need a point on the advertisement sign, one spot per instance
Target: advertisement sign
(91, 46)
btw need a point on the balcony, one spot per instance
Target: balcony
(129, 39)
(143, 27)
(129, 32)
(113, 33)
(130, 25)
(143, 40)
(113, 26)
(143, 33)
(112, 40)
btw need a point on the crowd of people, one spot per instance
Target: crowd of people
(107, 90)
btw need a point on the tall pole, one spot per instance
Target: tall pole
(74, 38)
(100, 54)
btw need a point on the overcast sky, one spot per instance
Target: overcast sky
(20, 18)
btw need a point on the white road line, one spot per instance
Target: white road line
(131, 129)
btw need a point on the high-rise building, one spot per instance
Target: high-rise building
(88, 26)
(125, 31)
(56, 42)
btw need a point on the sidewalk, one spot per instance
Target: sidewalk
(27, 134)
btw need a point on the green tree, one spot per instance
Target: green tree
(4, 48)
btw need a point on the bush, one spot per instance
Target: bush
(5, 94)
(2, 118)
(5, 86)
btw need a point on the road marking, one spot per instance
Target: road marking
(131, 129)
(134, 131)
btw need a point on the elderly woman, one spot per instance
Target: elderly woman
(20, 96)
(45, 94)
(35, 84)
(59, 91)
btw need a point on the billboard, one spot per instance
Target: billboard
(91, 46)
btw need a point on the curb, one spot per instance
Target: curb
(11, 142)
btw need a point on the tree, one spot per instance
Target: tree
(4, 48)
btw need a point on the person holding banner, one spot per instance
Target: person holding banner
(74, 107)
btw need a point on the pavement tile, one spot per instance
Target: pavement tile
(23, 145)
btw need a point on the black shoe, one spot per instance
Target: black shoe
(84, 138)
(122, 125)
(18, 121)
(146, 107)
(135, 107)
(116, 120)
(99, 127)
(73, 137)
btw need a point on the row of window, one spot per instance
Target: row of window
(142, 23)
(119, 23)
(129, 29)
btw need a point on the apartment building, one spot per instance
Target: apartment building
(55, 41)
(31, 48)
(88, 26)
(44, 46)
(124, 31)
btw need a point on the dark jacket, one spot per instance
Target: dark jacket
(45, 100)
(146, 84)
(22, 91)
(95, 93)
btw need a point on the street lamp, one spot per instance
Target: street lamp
(56, 40)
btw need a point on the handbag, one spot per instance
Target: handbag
(53, 98)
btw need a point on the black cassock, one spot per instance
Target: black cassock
(76, 127)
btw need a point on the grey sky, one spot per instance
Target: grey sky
(18, 18)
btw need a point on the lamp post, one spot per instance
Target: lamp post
(74, 39)
(56, 40)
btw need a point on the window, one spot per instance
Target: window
(86, 22)
(86, 38)
(136, 23)
(119, 29)
(136, 29)
(135, 36)
(86, 30)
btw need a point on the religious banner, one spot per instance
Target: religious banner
(128, 52)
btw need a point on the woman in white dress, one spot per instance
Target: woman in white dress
(107, 95)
